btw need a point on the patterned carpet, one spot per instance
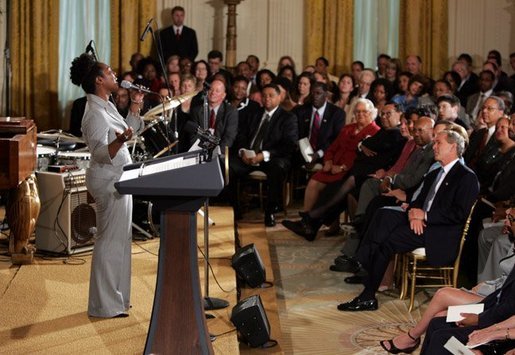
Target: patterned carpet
(308, 293)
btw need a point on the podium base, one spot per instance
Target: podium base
(211, 303)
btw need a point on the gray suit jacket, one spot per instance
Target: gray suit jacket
(418, 164)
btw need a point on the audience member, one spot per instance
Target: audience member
(302, 88)
(382, 63)
(475, 101)
(434, 220)
(320, 122)
(272, 137)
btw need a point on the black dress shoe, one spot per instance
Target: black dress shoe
(357, 305)
(300, 228)
(269, 220)
(356, 279)
(345, 266)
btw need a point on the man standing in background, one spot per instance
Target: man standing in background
(178, 39)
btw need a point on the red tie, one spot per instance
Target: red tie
(212, 119)
(178, 34)
(315, 130)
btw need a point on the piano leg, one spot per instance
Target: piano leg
(22, 212)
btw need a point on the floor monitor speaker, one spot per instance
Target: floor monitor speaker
(249, 266)
(249, 318)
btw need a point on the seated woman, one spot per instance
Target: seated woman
(377, 152)
(340, 155)
(497, 339)
(448, 296)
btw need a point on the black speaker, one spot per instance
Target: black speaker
(248, 266)
(249, 318)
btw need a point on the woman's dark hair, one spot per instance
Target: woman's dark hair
(83, 72)
(388, 88)
(286, 68)
(454, 75)
(194, 67)
(258, 77)
(295, 90)
(337, 95)
(146, 61)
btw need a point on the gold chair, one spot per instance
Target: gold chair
(261, 178)
(415, 267)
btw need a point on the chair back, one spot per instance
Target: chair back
(462, 243)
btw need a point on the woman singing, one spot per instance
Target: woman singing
(105, 132)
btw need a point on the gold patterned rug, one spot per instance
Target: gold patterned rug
(308, 293)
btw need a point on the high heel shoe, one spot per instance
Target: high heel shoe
(395, 350)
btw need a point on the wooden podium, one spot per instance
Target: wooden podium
(177, 325)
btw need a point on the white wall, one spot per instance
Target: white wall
(266, 28)
(477, 26)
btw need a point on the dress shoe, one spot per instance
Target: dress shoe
(301, 228)
(334, 229)
(354, 280)
(357, 305)
(269, 219)
(395, 350)
(345, 265)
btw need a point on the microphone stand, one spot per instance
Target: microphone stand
(210, 303)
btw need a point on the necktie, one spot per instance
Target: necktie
(178, 34)
(212, 119)
(258, 140)
(432, 192)
(315, 129)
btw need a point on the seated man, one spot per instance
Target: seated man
(266, 144)
(222, 119)
(448, 109)
(320, 121)
(434, 220)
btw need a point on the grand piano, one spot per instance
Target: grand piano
(177, 186)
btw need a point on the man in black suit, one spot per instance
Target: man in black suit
(499, 306)
(469, 80)
(267, 144)
(178, 39)
(482, 142)
(434, 220)
(222, 118)
(320, 121)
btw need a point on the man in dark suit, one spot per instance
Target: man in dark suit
(178, 39)
(482, 142)
(320, 121)
(434, 220)
(499, 306)
(476, 101)
(266, 144)
(469, 80)
(222, 118)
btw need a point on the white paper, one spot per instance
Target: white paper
(249, 153)
(306, 150)
(455, 347)
(453, 312)
(195, 146)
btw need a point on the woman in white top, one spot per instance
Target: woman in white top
(105, 132)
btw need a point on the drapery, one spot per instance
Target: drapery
(128, 20)
(79, 23)
(329, 32)
(423, 31)
(34, 38)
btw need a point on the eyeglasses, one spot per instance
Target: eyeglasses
(510, 217)
(362, 112)
(489, 108)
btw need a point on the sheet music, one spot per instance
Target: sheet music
(153, 168)
(169, 165)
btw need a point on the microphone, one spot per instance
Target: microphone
(145, 31)
(89, 48)
(204, 136)
(128, 85)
